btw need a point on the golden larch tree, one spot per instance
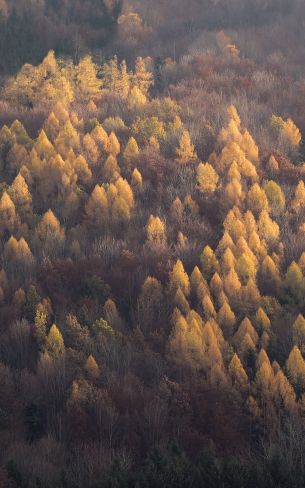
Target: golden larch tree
(179, 279)
(196, 279)
(87, 84)
(22, 198)
(92, 367)
(232, 284)
(100, 136)
(295, 366)
(51, 127)
(245, 268)
(136, 179)
(226, 319)
(257, 200)
(143, 78)
(270, 276)
(244, 328)
(208, 307)
(91, 149)
(131, 152)
(209, 263)
(272, 166)
(262, 320)
(298, 201)
(113, 146)
(267, 228)
(216, 285)
(8, 216)
(294, 285)
(111, 169)
(284, 395)
(55, 344)
(81, 168)
(237, 374)
(97, 209)
(298, 331)
(275, 196)
(186, 150)
(155, 231)
(207, 179)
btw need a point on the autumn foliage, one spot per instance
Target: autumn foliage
(152, 271)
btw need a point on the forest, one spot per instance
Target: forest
(152, 244)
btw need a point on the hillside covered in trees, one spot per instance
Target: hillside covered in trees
(152, 244)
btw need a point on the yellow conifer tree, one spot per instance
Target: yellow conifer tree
(111, 169)
(22, 198)
(237, 374)
(207, 179)
(8, 217)
(179, 279)
(87, 84)
(186, 151)
(226, 319)
(136, 179)
(275, 196)
(113, 146)
(143, 78)
(298, 330)
(96, 208)
(298, 201)
(268, 229)
(295, 366)
(92, 367)
(81, 168)
(245, 268)
(131, 152)
(55, 343)
(257, 200)
(209, 262)
(156, 232)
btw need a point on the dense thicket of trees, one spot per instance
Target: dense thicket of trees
(152, 260)
(29, 29)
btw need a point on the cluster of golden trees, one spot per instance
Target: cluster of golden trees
(56, 169)
(60, 80)
(77, 175)
(225, 311)
(81, 190)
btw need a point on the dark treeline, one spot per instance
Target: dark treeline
(29, 30)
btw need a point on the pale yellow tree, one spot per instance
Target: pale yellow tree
(267, 228)
(207, 179)
(143, 78)
(87, 84)
(156, 232)
(131, 152)
(22, 198)
(226, 319)
(186, 151)
(97, 208)
(237, 374)
(209, 262)
(257, 200)
(298, 201)
(295, 366)
(179, 279)
(8, 216)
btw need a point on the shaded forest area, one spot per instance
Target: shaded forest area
(30, 28)
(152, 244)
